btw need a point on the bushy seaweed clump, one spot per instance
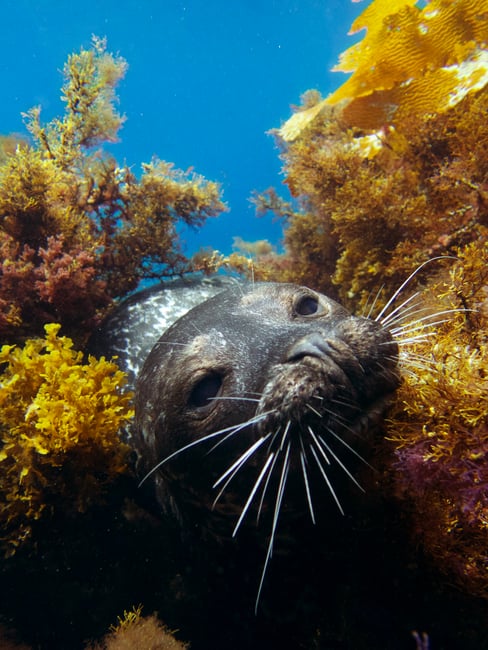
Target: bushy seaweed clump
(136, 631)
(439, 426)
(387, 172)
(76, 228)
(59, 424)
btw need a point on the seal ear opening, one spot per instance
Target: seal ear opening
(205, 390)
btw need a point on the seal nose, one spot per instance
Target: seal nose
(313, 345)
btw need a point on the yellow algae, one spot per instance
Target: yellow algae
(59, 424)
(136, 631)
(403, 44)
(439, 427)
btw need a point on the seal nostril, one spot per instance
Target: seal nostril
(313, 345)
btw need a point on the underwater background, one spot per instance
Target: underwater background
(206, 80)
(124, 126)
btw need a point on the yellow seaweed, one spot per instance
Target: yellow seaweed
(411, 60)
(439, 428)
(59, 424)
(136, 631)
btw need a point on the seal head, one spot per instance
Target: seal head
(259, 388)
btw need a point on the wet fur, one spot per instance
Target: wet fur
(293, 417)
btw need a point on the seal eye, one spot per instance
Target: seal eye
(203, 391)
(307, 306)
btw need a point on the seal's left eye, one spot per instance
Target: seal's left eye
(204, 390)
(307, 306)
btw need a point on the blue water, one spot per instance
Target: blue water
(206, 80)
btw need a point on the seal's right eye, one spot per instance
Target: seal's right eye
(204, 390)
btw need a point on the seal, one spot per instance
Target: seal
(259, 403)
(135, 325)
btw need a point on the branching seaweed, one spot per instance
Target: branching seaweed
(439, 427)
(76, 229)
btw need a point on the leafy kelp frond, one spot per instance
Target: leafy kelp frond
(59, 424)
(411, 61)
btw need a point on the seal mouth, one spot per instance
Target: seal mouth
(326, 383)
(312, 408)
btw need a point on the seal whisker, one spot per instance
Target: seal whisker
(400, 308)
(347, 445)
(326, 478)
(233, 398)
(383, 366)
(417, 360)
(319, 446)
(285, 433)
(354, 431)
(373, 303)
(238, 427)
(175, 343)
(280, 492)
(195, 327)
(392, 358)
(410, 373)
(240, 461)
(233, 429)
(270, 446)
(415, 339)
(405, 282)
(256, 485)
(394, 343)
(311, 408)
(410, 359)
(405, 315)
(407, 328)
(419, 364)
(233, 470)
(340, 419)
(279, 499)
(265, 487)
(344, 402)
(307, 486)
(341, 464)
